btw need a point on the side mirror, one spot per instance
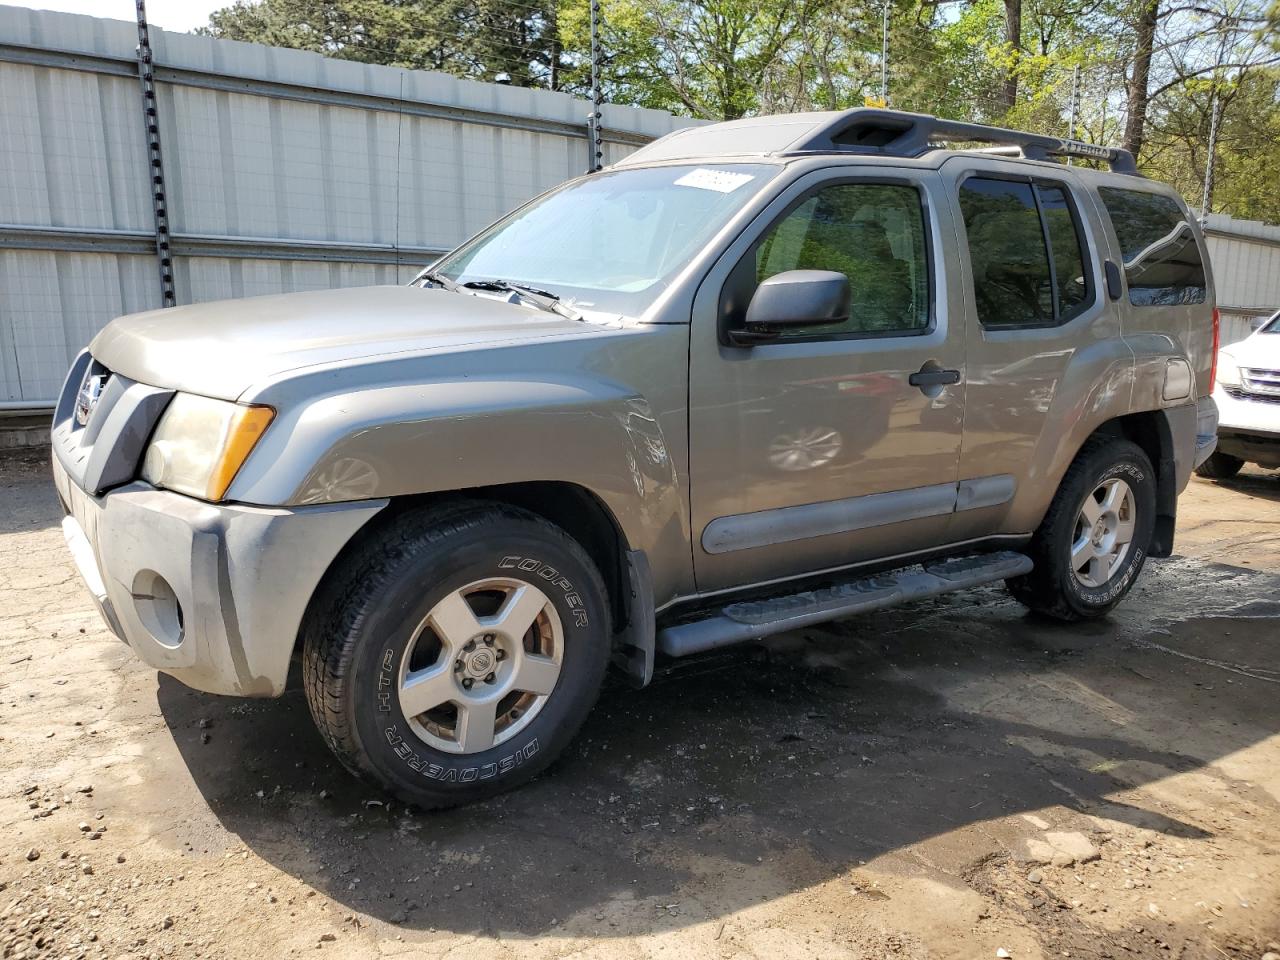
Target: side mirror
(791, 300)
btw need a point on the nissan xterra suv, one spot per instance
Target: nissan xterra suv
(757, 375)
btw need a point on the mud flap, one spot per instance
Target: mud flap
(633, 645)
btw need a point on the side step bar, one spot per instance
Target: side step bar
(755, 619)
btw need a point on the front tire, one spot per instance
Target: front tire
(1219, 466)
(457, 651)
(1093, 540)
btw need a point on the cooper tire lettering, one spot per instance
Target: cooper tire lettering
(553, 576)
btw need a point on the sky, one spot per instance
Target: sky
(179, 15)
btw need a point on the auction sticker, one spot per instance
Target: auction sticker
(721, 181)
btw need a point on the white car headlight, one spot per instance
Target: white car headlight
(200, 444)
(1228, 371)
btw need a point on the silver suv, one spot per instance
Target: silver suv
(757, 375)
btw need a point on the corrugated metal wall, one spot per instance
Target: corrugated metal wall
(1246, 270)
(284, 171)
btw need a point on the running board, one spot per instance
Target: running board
(756, 619)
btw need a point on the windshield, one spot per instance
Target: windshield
(612, 242)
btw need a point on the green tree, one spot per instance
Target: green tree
(707, 58)
(516, 41)
(1148, 69)
(1248, 145)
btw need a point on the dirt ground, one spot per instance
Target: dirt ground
(950, 779)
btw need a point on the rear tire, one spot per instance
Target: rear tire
(456, 651)
(1093, 540)
(1219, 466)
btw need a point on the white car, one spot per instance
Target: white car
(1248, 397)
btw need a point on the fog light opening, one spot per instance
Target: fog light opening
(158, 608)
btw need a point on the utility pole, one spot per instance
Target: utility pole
(155, 168)
(596, 156)
(1207, 198)
(1075, 102)
(1075, 105)
(884, 56)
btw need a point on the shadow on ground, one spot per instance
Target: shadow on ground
(1262, 486)
(775, 767)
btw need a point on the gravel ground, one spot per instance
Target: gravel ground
(950, 779)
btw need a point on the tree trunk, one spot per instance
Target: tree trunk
(1013, 34)
(1137, 96)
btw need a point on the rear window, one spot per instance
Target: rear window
(1161, 258)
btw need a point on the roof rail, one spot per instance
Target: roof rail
(898, 134)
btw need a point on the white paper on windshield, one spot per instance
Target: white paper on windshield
(721, 181)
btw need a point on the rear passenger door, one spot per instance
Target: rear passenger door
(1039, 336)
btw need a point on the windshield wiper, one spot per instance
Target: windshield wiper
(543, 299)
(534, 290)
(440, 280)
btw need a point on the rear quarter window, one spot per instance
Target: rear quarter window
(1162, 262)
(1026, 253)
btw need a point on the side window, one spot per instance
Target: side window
(874, 234)
(1161, 258)
(1067, 249)
(1028, 258)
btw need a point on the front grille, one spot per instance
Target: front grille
(102, 423)
(1260, 382)
(1240, 393)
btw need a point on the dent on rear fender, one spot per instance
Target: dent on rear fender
(1096, 386)
(1152, 352)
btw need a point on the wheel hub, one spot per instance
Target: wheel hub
(480, 658)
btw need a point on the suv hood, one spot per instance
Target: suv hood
(222, 348)
(1260, 350)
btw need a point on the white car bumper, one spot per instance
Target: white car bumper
(1248, 425)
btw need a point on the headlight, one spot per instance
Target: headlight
(200, 444)
(1228, 372)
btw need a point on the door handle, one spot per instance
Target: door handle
(933, 377)
(1112, 272)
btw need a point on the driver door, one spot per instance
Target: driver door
(815, 450)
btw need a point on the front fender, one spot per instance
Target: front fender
(469, 432)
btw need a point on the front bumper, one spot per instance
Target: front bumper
(1247, 414)
(212, 594)
(1249, 427)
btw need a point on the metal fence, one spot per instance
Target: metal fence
(1246, 270)
(283, 171)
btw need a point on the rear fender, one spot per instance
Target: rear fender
(1095, 386)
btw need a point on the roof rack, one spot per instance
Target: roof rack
(899, 134)
(877, 132)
